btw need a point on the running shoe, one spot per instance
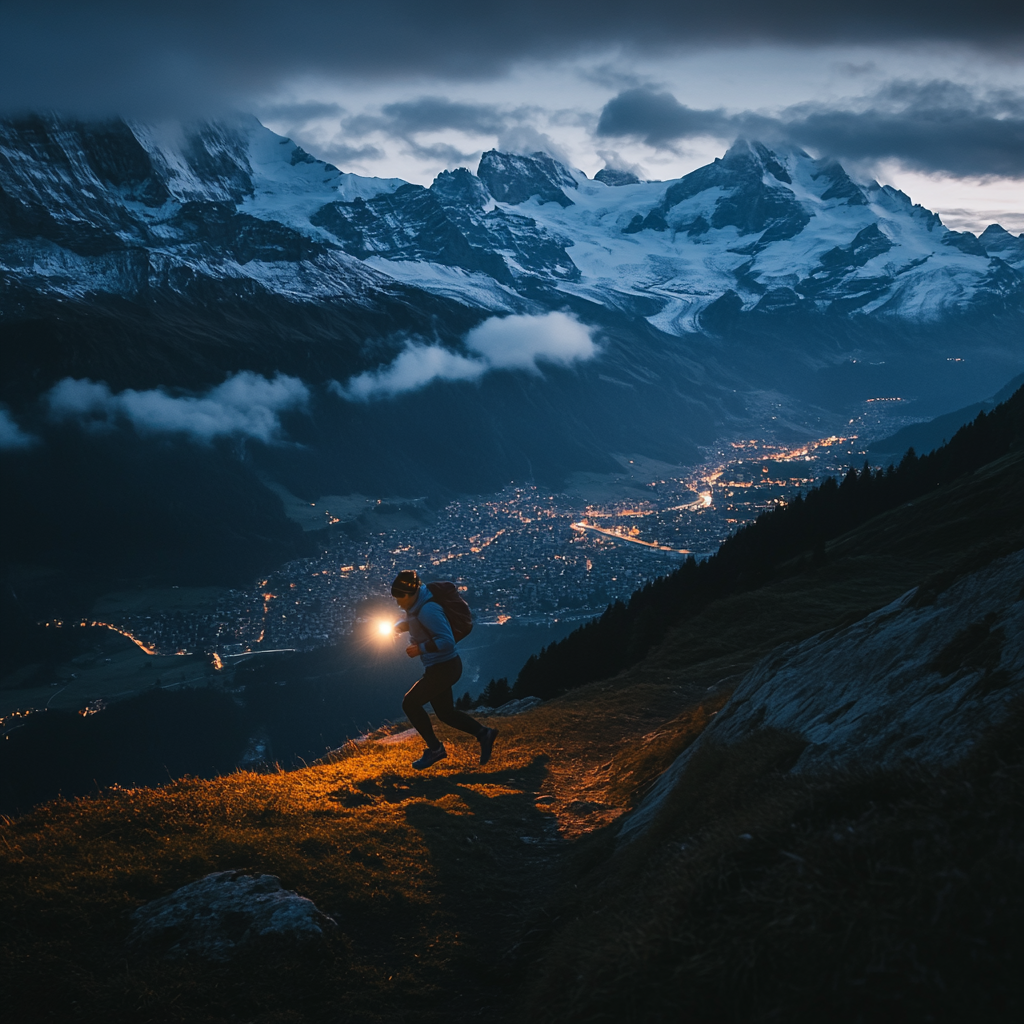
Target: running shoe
(487, 738)
(430, 757)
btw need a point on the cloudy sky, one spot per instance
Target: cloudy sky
(927, 95)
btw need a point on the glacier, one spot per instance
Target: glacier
(122, 206)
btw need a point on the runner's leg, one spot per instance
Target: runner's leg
(443, 705)
(412, 704)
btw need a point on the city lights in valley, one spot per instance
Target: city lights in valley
(521, 555)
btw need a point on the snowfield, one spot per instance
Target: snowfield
(771, 230)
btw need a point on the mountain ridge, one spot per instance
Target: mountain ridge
(99, 189)
(169, 257)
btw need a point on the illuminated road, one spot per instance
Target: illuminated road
(632, 540)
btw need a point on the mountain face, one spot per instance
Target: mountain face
(775, 231)
(765, 288)
(115, 208)
(874, 692)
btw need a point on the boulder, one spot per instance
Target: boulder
(513, 707)
(918, 680)
(226, 912)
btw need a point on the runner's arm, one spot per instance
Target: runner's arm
(433, 618)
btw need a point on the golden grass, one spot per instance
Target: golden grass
(428, 874)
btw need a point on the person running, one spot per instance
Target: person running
(433, 642)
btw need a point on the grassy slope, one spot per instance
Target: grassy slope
(495, 888)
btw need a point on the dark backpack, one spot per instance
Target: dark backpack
(456, 611)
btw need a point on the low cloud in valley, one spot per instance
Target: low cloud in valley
(500, 343)
(12, 437)
(245, 405)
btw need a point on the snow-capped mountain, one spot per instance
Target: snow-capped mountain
(183, 265)
(120, 208)
(771, 231)
(153, 255)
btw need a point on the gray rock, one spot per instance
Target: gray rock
(513, 707)
(918, 680)
(225, 912)
(611, 176)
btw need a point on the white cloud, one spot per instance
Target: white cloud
(75, 399)
(500, 343)
(415, 366)
(12, 437)
(518, 342)
(527, 140)
(246, 404)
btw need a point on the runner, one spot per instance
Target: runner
(433, 642)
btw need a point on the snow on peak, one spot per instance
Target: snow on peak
(769, 226)
(513, 179)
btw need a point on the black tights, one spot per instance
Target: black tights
(435, 688)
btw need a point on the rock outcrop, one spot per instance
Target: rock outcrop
(919, 679)
(225, 912)
(513, 707)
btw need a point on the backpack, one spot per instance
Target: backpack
(455, 609)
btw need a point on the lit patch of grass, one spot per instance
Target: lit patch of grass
(428, 874)
(74, 870)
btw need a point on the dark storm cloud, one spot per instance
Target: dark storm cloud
(407, 120)
(342, 154)
(430, 114)
(929, 126)
(301, 113)
(660, 119)
(120, 53)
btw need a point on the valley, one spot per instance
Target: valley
(523, 556)
(683, 342)
(521, 870)
(205, 331)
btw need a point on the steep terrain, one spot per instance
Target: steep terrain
(123, 209)
(878, 690)
(754, 892)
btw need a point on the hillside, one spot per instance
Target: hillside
(756, 893)
(924, 437)
(777, 544)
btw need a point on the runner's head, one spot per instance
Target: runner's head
(406, 588)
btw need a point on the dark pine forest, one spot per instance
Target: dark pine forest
(779, 542)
